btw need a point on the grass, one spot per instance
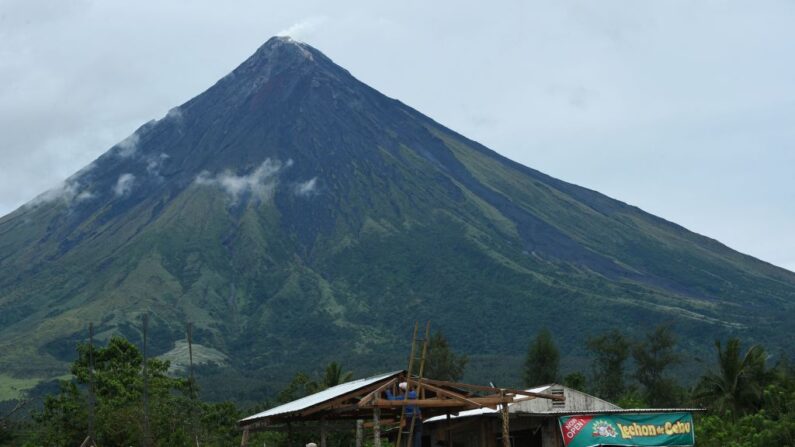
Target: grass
(14, 388)
(179, 356)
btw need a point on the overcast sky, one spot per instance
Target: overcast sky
(683, 108)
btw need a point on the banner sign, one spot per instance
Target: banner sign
(633, 429)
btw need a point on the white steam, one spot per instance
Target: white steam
(302, 28)
(124, 184)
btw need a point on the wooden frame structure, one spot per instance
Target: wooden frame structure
(371, 400)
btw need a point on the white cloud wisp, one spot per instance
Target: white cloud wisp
(306, 188)
(124, 185)
(260, 183)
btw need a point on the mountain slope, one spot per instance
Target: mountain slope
(297, 216)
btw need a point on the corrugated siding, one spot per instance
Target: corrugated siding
(576, 401)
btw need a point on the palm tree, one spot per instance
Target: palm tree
(334, 375)
(738, 384)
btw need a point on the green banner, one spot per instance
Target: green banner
(634, 429)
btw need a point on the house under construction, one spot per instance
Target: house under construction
(413, 411)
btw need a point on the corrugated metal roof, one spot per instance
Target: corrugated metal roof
(320, 397)
(523, 407)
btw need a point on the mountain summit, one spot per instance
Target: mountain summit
(297, 216)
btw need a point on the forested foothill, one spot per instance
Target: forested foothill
(748, 395)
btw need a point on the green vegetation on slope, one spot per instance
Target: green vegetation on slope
(404, 220)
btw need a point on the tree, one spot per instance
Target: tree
(752, 406)
(118, 388)
(63, 420)
(576, 380)
(652, 357)
(543, 360)
(301, 385)
(738, 384)
(441, 363)
(751, 430)
(334, 376)
(611, 350)
(118, 379)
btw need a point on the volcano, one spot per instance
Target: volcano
(296, 216)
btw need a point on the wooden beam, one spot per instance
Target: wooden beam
(342, 399)
(352, 408)
(496, 390)
(311, 429)
(373, 395)
(453, 395)
(522, 399)
(439, 403)
(259, 424)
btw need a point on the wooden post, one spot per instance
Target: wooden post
(450, 433)
(244, 438)
(377, 427)
(289, 434)
(506, 431)
(556, 435)
(359, 432)
(322, 431)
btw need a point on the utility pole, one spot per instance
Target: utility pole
(91, 390)
(191, 387)
(147, 436)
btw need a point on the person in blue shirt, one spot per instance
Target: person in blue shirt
(411, 411)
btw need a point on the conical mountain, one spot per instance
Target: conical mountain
(297, 216)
